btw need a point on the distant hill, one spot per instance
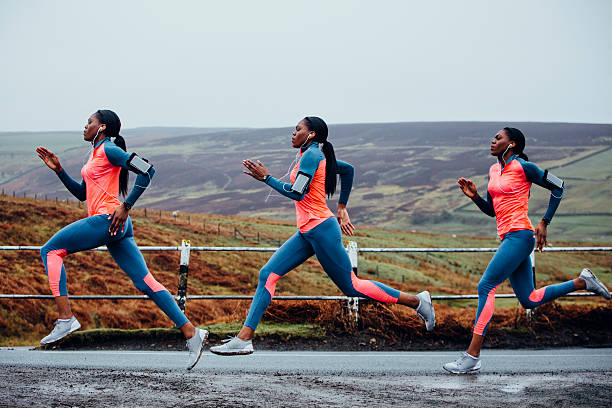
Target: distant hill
(405, 172)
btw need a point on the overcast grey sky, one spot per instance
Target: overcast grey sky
(269, 63)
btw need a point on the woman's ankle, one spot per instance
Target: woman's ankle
(246, 333)
(579, 284)
(188, 330)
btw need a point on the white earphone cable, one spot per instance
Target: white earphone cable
(99, 186)
(293, 163)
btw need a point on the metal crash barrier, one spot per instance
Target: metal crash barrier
(352, 249)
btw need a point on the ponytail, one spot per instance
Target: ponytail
(331, 168)
(113, 125)
(319, 126)
(123, 174)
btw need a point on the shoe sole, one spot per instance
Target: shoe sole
(232, 353)
(204, 340)
(64, 336)
(471, 371)
(433, 313)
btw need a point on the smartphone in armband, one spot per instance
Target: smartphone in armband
(301, 183)
(552, 179)
(138, 165)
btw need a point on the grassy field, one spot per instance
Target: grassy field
(25, 221)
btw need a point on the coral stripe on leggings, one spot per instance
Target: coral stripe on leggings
(92, 232)
(512, 261)
(325, 242)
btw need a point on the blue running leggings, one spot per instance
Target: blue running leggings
(325, 242)
(92, 232)
(512, 261)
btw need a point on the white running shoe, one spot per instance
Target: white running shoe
(463, 365)
(63, 327)
(426, 311)
(593, 284)
(233, 347)
(195, 345)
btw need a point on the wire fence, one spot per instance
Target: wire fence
(202, 222)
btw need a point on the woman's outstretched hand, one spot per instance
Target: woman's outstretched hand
(345, 221)
(256, 170)
(49, 158)
(468, 187)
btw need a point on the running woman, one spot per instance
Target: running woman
(510, 180)
(108, 223)
(312, 178)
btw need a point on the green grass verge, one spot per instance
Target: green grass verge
(105, 337)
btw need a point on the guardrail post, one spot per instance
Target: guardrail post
(353, 303)
(181, 296)
(353, 307)
(531, 312)
(351, 249)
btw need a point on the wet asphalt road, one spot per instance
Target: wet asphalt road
(561, 377)
(307, 362)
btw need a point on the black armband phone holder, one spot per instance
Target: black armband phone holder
(301, 183)
(138, 165)
(552, 179)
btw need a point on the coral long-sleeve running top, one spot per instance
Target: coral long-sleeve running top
(310, 206)
(508, 194)
(100, 184)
